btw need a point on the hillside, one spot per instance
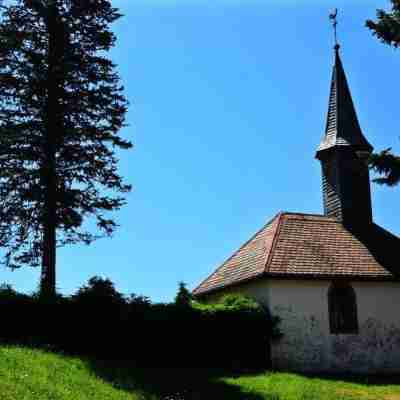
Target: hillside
(28, 374)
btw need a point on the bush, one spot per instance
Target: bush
(99, 291)
(99, 321)
(239, 333)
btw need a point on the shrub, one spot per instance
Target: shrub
(99, 291)
(239, 332)
(99, 321)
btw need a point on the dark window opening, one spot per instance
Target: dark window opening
(342, 305)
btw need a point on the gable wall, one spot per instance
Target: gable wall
(307, 344)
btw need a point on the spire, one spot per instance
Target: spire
(342, 126)
(343, 152)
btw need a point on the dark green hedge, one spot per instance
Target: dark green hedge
(98, 321)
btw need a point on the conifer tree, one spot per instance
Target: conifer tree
(387, 165)
(387, 29)
(61, 110)
(387, 26)
(183, 298)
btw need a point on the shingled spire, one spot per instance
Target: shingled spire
(343, 153)
(342, 126)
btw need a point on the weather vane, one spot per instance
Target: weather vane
(333, 18)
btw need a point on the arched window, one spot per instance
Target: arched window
(342, 309)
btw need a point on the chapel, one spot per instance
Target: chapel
(333, 279)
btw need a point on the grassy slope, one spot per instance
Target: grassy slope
(27, 374)
(296, 387)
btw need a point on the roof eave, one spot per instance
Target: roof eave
(296, 276)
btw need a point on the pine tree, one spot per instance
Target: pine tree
(388, 165)
(61, 110)
(387, 29)
(183, 298)
(387, 26)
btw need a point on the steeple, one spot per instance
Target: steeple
(342, 126)
(343, 153)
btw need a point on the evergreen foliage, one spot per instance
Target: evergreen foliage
(183, 298)
(101, 322)
(387, 29)
(388, 165)
(98, 291)
(61, 108)
(387, 26)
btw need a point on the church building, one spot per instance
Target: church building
(333, 279)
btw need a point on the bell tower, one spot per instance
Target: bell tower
(343, 154)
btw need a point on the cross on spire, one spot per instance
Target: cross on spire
(333, 18)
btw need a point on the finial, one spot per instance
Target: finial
(333, 18)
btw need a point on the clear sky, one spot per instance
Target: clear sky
(228, 104)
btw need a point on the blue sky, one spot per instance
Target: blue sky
(228, 104)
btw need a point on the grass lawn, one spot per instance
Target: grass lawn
(284, 386)
(28, 374)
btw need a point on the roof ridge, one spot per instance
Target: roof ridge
(386, 232)
(237, 251)
(302, 213)
(316, 217)
(274, 241)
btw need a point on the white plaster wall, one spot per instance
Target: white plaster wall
(308, 346)
(302, 306)
(377, 347)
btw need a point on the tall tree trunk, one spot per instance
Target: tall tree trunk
(53, 124)
(48, 276)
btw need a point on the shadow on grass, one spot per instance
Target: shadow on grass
(160, 383)
(172, 383)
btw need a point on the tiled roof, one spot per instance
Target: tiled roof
(308, 246)
(342, 127)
